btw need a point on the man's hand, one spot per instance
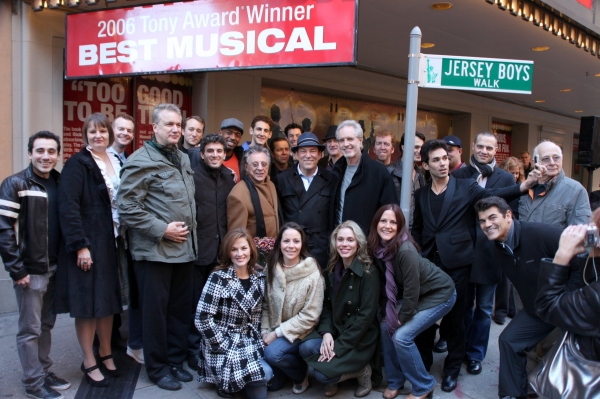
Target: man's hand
(84, 259)
(176, 232)
(571, 243)
(23, 282)
(327, 352)
(532, 179)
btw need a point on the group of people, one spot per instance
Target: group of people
(169, 232)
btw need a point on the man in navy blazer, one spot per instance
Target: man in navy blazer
(444, 228)
(485, 273)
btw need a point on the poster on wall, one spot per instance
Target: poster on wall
(503, 133)
(211, 35)
(153, 90)
(111, 96)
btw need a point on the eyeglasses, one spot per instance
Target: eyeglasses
(255, 165)
(554, 158)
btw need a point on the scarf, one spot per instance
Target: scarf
(485, 169)
(382, 252)
(169, 152)
(261, 230)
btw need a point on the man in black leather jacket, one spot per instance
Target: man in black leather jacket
(29, 242)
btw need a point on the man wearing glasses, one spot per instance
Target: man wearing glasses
(556, 199)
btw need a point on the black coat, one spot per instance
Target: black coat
(532, 242)
(485, 269)
(371, 188)
(211, 209)
(311, 209)
(86, 221)
(454, 233)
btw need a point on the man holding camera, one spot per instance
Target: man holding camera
(519, 248)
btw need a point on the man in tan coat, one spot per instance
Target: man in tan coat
(252, 203)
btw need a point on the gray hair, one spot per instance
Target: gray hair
(357, 128)
(535, 150)
(163, 107)
(255, 149)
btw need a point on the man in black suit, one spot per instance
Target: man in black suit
(444, 228)
(306, 195)
(484, 272)
(519, 248)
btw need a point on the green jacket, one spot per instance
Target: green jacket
(351, 317)
(152, 194)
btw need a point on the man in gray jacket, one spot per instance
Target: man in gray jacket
(156, 202)
(557, 199)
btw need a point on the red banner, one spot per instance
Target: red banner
(587, 3)
(84, 97)
(153, 90)
(504, 144)
(211, 35)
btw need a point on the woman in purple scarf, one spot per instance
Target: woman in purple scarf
(414, 294)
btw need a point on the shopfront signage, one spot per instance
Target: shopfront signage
(211, 35)
(479, 74)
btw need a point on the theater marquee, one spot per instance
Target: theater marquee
(211, 35)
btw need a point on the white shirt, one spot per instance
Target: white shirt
(306, 180)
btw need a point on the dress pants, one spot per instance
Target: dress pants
(478, 319)
(201, 273)
(521, 335)
(505, 299)
(166, 294)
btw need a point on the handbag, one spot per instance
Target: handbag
(565, 373)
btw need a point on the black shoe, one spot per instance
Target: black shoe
(106, 371)
(223, 394)
(45, 392)
(193, 361)
(441, 346)
(474, 367)
(102, 383)
(181, 374)
(448, 383)
(499, 320)
(169, 383)
(54, 382)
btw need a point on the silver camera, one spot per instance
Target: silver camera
(591, 237)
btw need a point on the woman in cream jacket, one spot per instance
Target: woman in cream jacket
(292, 305)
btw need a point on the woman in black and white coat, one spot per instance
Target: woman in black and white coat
(228, 317)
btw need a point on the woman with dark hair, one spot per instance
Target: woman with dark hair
(345, 343)
(292, 304)
(415, 293)
(87, 277)
(228, 317)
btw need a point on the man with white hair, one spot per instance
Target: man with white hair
(364, 184)
(556, 199)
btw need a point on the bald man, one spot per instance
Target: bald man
(557, 199)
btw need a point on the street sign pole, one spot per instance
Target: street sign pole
(412, 96)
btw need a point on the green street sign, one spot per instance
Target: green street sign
(479, 74)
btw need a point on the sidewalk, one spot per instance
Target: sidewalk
(67, 358)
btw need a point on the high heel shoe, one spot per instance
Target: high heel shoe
(102, 383)
(106, 371)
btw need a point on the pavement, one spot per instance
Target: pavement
(66, 356)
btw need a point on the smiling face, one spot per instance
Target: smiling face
(232, 137)
(292, 136)
(333, 148)
(98, 137)
(257, 167)
(213, 155)
(308, 157)
(291, 244)
(123, 130)
(240, 253)
(261, 132)
(387, 228)
(43, 156)
(350, 144)
(346, 245)
(484, 149)
(168, 128)
(192, 134)
(281, 152)
(384, 149)
(551, 158)
(417, 150)
(438, 163)
(494, 225)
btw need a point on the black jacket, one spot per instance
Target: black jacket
(23, 200)
(211, 209)
(371, 188)
(485, 270)
(577, 311)
(532, 242)
(454, 233)
(311, 209)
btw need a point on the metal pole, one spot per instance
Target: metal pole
(412, 96)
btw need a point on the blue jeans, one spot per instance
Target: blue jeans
(400, 354)
(312, 347)
(258, 389)
(285, 356)
(478, 319)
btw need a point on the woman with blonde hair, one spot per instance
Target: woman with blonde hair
(345, 343)
(514, 166)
